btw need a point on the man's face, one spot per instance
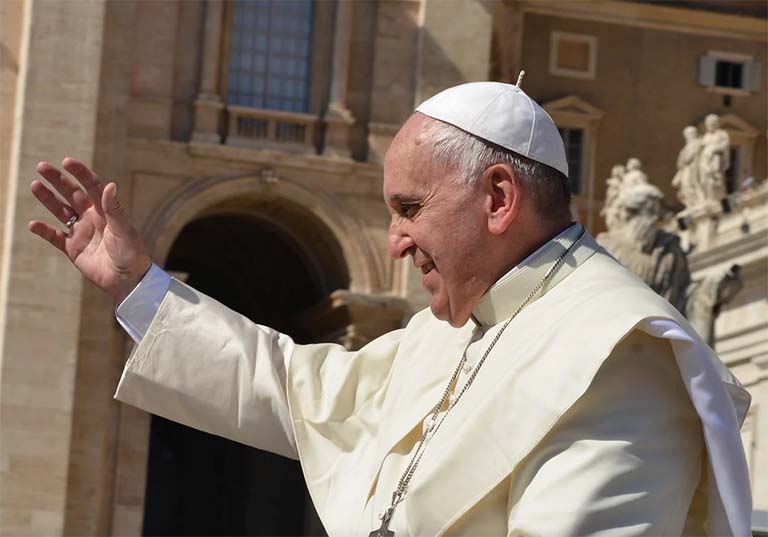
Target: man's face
(711, 123)
(436, 221)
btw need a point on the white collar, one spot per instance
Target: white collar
(506, 295)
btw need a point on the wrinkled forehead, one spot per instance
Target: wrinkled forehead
(408, 160)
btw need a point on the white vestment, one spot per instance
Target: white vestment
(586, 418)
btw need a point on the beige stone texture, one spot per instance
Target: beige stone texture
(448, 53)
(10, 41)
(41, 298)
(393, 89)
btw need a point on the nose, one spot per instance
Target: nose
(399, 244)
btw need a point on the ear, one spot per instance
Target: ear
(504, 197)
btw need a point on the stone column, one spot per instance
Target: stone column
(151, 103)
(450, 53)
(56, 109)
(209, 105)
(393, 85)
(338, 118)
(508, 24)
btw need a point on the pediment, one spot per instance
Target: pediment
(732, 122)
(573, 106)
(734, 125)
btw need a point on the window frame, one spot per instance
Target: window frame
(573, 112)
(746, 62)
(320, 51)
(554, 69)
(583, 136)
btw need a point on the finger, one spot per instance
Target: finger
(117, 217)
(51, 202)
(65, 186)
(54, 236)
(88, 179)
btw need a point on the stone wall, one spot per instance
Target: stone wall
(646, 84)
(41, 298)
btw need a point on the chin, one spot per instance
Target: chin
(444, 314)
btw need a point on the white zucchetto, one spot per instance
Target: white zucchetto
(501, 114)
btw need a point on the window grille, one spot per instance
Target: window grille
(270, 54)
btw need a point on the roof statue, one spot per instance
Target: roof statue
(632, 212)
(702, 163)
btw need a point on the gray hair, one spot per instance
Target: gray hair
(470, 156)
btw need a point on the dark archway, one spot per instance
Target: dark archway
(200, 484)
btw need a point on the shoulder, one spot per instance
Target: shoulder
(604, 286)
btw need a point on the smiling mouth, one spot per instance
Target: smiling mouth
(426, 269)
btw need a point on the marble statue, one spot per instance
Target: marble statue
(656, 255)
(613, 188)
(687, 181)
(702, 163)
(705, 298)
(636, 240)
(714, 159)
(634, 173)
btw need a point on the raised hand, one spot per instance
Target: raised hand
(102, 243)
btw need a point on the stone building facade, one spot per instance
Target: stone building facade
(262, 186)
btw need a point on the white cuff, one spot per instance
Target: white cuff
(136, 312)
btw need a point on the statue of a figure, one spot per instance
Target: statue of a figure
(705, 298)
(687, 180)
(613, 187)
(635, 239)
(715, 158)
(634, 174)
(655, 255)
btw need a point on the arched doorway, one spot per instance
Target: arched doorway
(199, 484)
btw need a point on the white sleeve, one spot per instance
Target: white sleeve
(210, 368)
(721, 406)
(136, 312)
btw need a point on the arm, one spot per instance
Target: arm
(210, 368)
(624, 460)
(215, 370)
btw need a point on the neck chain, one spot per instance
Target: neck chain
(434, 424)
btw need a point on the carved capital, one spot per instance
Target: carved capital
(353, 319)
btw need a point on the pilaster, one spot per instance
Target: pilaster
(209, 105)
(55, 116)
(338, 118)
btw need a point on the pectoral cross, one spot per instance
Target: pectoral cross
(384, 530)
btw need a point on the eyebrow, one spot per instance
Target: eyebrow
(399, 198)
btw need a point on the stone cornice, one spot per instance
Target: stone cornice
(672, 19)
(265, 157)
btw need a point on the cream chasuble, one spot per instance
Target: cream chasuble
(580, 421)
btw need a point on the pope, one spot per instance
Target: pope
(545, 391)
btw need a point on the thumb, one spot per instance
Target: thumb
(117, 218)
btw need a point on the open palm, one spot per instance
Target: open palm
(102, 243)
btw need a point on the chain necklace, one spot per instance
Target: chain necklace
(433, 425)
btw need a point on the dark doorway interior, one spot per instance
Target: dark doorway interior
(199, 484)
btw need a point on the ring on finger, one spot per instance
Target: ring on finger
(71, 222)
